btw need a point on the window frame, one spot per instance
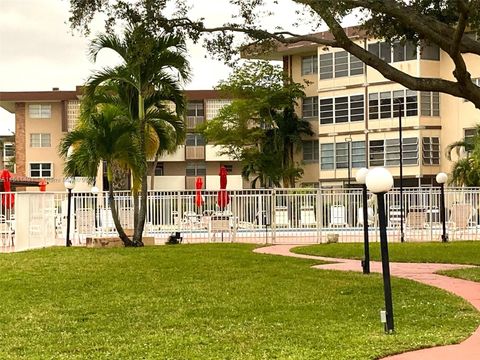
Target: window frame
(39, 143)
(41, 170)
(309, 65)
(313, 151)
(342, 109)
(44, 111)
(310, 110)
(431, 151)
(199, 169)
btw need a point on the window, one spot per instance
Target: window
(326, 111)
(310, 150)
(309, 65)
(41, 170)
(385, 105)
(430, 52)
(327, 156)
(387, 152)
(342, 109)
(468, 134)
(195, 108)
(196, 169)
(430, 151)
(159, 169)
(194, 140)
(340, 157)
(382, 104)
(404, 52)
(382, 50)
(429, 103)
(8, 150)
(310, 107)
(326, 66)
(373, 106)
(401, 51)
(339, 64)
(40, 140)
(40, 111)
(358, 154)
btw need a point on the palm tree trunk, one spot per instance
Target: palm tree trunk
(111, 198)
(140, 219)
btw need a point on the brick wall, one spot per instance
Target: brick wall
(20, 138)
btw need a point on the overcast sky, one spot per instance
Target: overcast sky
(38, 50)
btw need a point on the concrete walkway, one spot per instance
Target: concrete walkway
(423, 273)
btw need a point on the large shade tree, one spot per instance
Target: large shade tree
(260, 127)
(152, 70)
(452, 25)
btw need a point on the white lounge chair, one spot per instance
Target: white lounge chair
(338, 216)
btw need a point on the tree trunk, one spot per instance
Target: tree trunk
(111, 198)
(140, 225)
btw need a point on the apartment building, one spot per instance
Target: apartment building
(354, 111)
(42, 118)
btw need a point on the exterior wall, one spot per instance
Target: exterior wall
(20, 138)
(456, 115)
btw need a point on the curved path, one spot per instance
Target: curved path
(424, 273)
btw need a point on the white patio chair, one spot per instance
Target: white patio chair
(281, 217)
(371, 216)
(338, 216)
(307, 216)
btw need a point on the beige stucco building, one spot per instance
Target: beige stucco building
(42, 118)
(353, 110)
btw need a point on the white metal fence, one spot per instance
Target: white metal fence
(273, 216)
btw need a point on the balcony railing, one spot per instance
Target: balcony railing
(194, 152)
(194, 121)
(190, 181)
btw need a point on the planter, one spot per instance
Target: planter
(332, 238)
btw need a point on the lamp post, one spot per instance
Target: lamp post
(442, 179)
(360, 177)
(69, 185)
(400, 145)
(380, 181)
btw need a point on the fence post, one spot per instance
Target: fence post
(319, 212)
(273, 225)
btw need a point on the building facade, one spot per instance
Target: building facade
(43, 118)
(354, 111)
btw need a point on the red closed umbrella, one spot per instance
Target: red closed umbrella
(223, 198)
(198, 194)
(8, 200)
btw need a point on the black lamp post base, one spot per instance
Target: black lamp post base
(444, 238)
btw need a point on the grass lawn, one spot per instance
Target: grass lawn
(458, 252)
(209, 302)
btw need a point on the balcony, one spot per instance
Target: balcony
(194, 121)
(194, 152)
(190, 182)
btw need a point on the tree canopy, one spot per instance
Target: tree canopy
(260, 127)
(452, 25)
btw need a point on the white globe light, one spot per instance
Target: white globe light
(69, 184)
(361, 175)
(69, 152)
(94, 189)
(441, 178)
(379, 180)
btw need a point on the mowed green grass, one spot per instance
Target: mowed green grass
(458, 252)
(213, 301)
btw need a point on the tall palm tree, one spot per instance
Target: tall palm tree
(152, 66)
(106, 135)
(466, 170)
